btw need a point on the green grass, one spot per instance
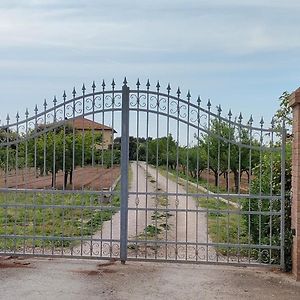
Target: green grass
(201, 181)
(53, 215)
(225, 226)
(56, 221)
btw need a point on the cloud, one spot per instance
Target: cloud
(202, 26)
(57, 43)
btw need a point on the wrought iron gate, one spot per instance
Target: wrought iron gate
(140, 174)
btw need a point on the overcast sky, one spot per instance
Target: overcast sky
(241, 54)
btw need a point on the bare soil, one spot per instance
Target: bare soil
(209, 177)
(94, 178)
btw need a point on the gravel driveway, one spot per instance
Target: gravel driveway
(175, 230)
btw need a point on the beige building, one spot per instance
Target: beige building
(81, 123)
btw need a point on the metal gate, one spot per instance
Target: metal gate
(141, 174)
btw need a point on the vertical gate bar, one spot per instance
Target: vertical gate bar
(239, 186)
(177, 200)
(6, 179)
(17, 174)
(112, 161)
(92, 201)
(73, 161)
(102, 159)
(271, 189)
(147, 161)
(44, 174)
(228, 182)
(25, 180)
(187, 176)
(250, 185)
(124, 172)
(208, 134)
(156, 164)
(137, 165)
(82, 199)
(64, 171)
(282, 227)
(198, 167)
(218, 180)
(167, 168)
(260, 189)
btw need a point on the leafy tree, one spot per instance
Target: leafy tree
(264, 228)
(163, 151)
(61, 149)
(195, 158)
(215, 149)
(284, 113)
(109, 157)
(12, 155)
(137, 146)
(224, 149)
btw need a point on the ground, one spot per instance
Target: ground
(37, 278)
(95, 178)
(85, 279)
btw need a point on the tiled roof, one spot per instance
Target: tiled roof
(86, 124)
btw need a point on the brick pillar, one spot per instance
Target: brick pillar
(295, 104)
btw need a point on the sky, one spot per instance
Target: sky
(239, 54)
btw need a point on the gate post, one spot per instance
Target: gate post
(295, 211)
(124, 172)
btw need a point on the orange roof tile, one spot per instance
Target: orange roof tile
(86, 124)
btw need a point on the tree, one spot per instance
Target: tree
(284, 113)
(196, 160)
(63, 149)
(12, 150)
(225, 150)
(264, 228)
(163, 151)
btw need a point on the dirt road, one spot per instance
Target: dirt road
(179, 232)
(182, 229)
(176, 228)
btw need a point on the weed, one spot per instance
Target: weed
(152, 230)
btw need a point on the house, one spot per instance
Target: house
(81, 123)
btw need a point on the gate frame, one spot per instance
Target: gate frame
(125, 110)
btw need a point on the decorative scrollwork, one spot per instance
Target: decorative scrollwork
(78, 106)
(74, 108)
(174, 107)
(138, 100)
(181, 108)
(70, 111)
(158, 102)
(197, 117)
(112, 100)
(98, 102)
(89, 104)
(31, 126)
(59, 115)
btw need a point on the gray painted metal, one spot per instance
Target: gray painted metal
(124, 172)
(283, 171)
(197, 191)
